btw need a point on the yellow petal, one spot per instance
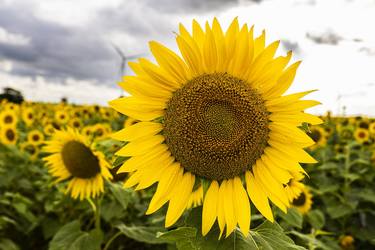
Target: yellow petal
(170, 62)
(242, 54)
(220, 208)
(137, 162)
(280, 174)
(210, 204)
(198, 34)
(258, 196)
(158, 74)
(287, 99)
(209, 51)
(241, 206)
(231, 37)
(179, 199)
(140, 146)
(284, 81)
(137, 86)
(230, 218)
(137, 131)
(172, 175)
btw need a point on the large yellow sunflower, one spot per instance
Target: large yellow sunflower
(217, 116)
(73, 158)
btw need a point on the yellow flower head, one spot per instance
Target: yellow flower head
(303, 202)
(8, 135)
(35, 137)
(361, 135)
(8, 118)
(72, 158)
(217, 114)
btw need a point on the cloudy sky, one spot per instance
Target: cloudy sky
(60, 48)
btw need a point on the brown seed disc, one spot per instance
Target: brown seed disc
(79, 160)
(216, 126)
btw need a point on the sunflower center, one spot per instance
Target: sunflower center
(79, 160)
(216, 126)
(10, 134)
(35, 137)
(315, 135)
(8, 119)
(300, 201)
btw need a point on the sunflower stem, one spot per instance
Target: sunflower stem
(111, 240)
(97, 214)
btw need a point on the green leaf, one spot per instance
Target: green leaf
(6, 244)
(271, 236)
(312, 241)
(184, 237)
(142, 234)
(293, 217)
(316, 218)
(122, 195)
(367, 195)
(339, 210)
(268, 236)
(70, 237)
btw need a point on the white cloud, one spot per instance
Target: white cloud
(13, 38)
(80, 92)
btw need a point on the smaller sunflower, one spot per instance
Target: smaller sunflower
(318, 134)
(75, 123)
(346, 242)
(8, 118)
(73, 158)
(35, 137)
(49, 129)
(294, 187)
(28, 116)
(361, 135)
(31, 149)
(8, 135)
(303, 202)
(61, 117)
(372, 128)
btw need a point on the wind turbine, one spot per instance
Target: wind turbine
(124, 59)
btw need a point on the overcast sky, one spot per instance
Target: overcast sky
(60, 48)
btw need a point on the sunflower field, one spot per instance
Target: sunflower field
(195, 158)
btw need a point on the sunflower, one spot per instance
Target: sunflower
(28, 116)
(318, 134)
(346, 242)
(216, 116)
(8, 135)
(75, 123)
(303, 202)
(73, 158)
(294, 187)
(372, 128)
(49, 129)
(31, 149)
(361, 135)
(61, 117)
(35, 137)
(8, 118)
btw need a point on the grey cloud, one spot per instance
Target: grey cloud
(85, 53)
